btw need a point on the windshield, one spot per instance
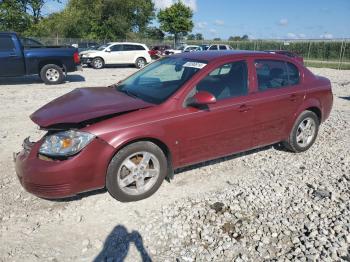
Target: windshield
(102, 47)
(158, 81)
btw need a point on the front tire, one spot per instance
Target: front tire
(136, 171)
(98, 63)
(304, 132)
(52, 74)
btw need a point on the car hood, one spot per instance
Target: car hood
(85, 104)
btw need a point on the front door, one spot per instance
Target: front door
(11, 58)
(224, 127)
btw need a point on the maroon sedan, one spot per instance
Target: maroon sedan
(178, 111)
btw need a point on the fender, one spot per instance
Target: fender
(149, 132)
(308, 103)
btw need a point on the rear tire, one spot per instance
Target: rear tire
(98, 63)
(140, 63)
(52, 74)
(136, 171)
(304, 132)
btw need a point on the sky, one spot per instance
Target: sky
(262, 19)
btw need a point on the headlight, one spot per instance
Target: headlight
(65, 143)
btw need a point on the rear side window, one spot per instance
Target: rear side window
(213, 47)
(133, 47)
(271, 74)
(293, 74)
(139, 47)
(6, 44)
(222, 47)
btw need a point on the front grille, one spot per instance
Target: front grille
(49, 189)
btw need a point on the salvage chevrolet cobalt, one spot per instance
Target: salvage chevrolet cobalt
(177, 111)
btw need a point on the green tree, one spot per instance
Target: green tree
(217, 39)
(199, 36)
(191, 37)
(99, 19)
(12, 16)
(176, 20)
(154, 33)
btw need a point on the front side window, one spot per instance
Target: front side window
(6, 44)
(271, 74)
(213, 47)
(222, 47)
(158, 81)
(116, 48)
(226, 81)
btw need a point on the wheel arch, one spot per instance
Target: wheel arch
(51, 61)
(162, 145)
(312, 105)
(140, 56)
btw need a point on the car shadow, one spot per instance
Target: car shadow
(345, 97)
(117, 244)
(33, 79)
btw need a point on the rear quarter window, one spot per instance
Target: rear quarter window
(293, 74)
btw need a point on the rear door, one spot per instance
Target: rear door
(11, 57)
(277, 97)
(131, 53)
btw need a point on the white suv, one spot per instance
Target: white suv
(219, 47)
(117, 54)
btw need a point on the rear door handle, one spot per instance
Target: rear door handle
(293, 97)
(244, 108)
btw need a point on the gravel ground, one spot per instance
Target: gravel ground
(266, 204)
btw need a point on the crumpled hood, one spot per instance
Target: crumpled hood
(84, 104)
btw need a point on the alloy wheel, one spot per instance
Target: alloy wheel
(138, 173)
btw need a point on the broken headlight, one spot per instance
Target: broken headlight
(65, 143)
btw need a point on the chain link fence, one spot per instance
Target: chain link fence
(319, 53)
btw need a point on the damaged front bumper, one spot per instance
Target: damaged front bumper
(53, 178)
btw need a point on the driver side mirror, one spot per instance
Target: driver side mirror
(202, 98)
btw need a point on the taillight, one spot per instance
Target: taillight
(76, 58)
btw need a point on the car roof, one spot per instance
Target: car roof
(125, 43)
(221, 54)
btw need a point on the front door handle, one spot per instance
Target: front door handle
(244, 108)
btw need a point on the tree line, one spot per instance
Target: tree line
(95, 19)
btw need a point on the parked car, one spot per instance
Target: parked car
(51, 63)
(158, 51)
(219, 47)
(204, 47)
(293, 55)
(83, 46)
(178, 111)
(117, 54)
(183, 49)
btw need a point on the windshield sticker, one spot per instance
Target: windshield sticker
(194, 65)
